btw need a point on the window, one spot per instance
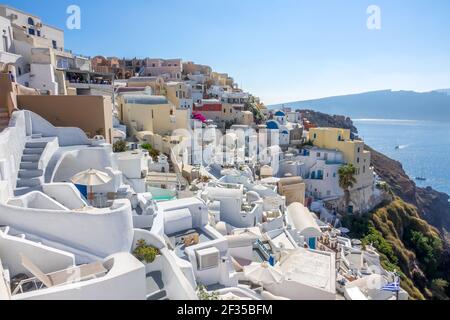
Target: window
(5, 43)
(318, 154)
(334, 175)
(357, 160)
(31, 31)
(31, 21)
(38, 32)
(315, 135)
(54, 44)
(359, 149)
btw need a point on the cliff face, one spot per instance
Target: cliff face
(432, 205)
(325, 120)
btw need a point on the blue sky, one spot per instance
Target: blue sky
(282, 50)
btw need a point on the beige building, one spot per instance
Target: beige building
(222, 79)
(190, 67)
(170, 69)
(151, 116)
(245, 118)
(179, 94)
(156, 83)
(92, 114)
(293, 188)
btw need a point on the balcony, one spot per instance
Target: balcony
(7, 57)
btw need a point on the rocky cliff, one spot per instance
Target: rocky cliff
(332, 121)
(432, 205)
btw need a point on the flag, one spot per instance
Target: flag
(393, 287)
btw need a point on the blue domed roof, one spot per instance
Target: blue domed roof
(285, 132)
(280, 114)
(272, 125)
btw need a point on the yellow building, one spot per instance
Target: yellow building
(147, 113)
(156, 83)
(354, 153)
(179, 94)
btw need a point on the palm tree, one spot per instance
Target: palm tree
(347, 180)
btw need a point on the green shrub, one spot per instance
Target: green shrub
(203, 294)
(147, 146)
(146, 253)
(120, 146)
(151, 151)
(375, 238)
(428, 250)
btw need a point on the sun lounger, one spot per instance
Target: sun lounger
(67, 276)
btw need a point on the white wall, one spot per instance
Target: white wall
(12, 142)
(298, 291)
(99, 233)
(42, 77)
(124, 281)
(45, 258)
(66, 136)
(5, 30)
(66, 194)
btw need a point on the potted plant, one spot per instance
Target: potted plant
(144, 252)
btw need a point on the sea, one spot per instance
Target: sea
(423, 147)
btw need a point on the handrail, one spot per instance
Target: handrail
(25, 281)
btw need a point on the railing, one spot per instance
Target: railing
(35, 281)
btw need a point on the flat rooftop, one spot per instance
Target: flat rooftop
(177, 240)
(312, 268)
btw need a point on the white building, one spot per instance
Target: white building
(7, 55)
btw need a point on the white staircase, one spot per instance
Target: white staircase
(30, 176)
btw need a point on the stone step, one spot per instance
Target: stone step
(24, 174)
(35, 145)
(34, 182)
(33, 150)
(158, 295)
(20, 191)
(31, 157)
(29, 165)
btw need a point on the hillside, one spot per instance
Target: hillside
(387, 104)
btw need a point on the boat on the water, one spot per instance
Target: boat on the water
(421, 178)
(397, 147)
